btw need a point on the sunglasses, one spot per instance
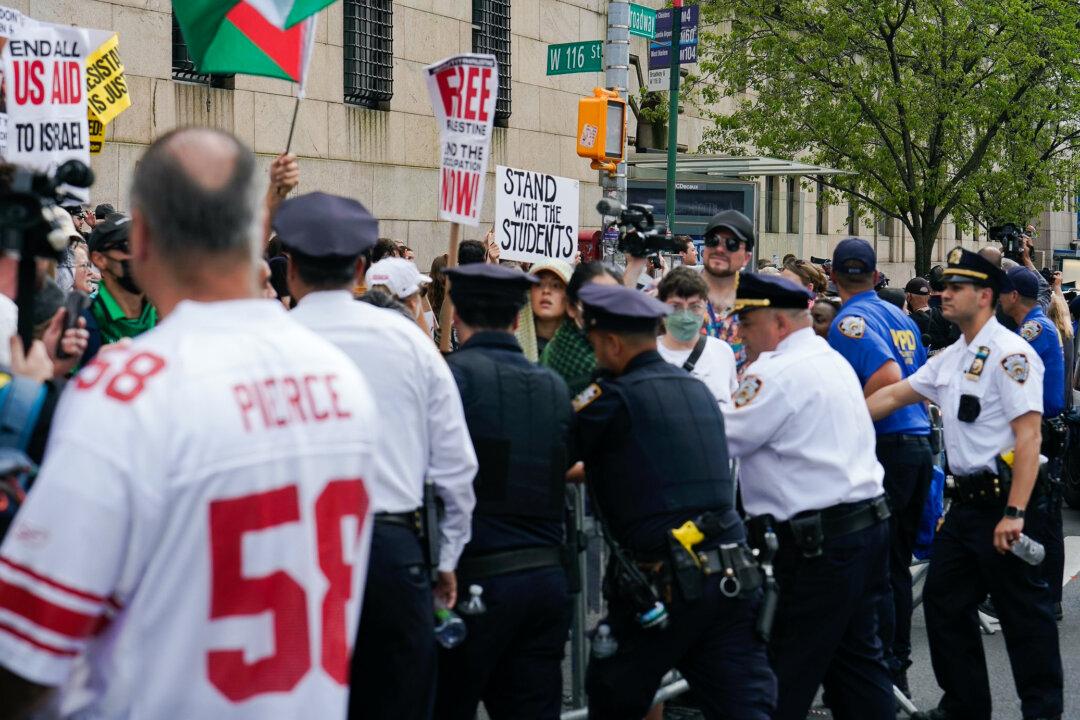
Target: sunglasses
(731, 243)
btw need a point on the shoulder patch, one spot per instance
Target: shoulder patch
(586, 397)
(748, 390)
(852, 326)
(1031, 330)
(1016, 367)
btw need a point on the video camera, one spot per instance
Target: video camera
(32, 224)
(1009, 235)
(639, 235)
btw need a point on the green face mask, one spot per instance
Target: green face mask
(684, 325)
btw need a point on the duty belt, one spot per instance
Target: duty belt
(737, 566)
(508, 561)
(410, 520)
(810, 529)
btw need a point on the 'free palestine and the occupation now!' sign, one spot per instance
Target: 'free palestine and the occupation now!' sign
(536, 215)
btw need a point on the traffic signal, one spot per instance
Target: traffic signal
(601, 133)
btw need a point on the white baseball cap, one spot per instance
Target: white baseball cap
(398, 274)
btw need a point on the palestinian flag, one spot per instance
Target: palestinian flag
(250, 37)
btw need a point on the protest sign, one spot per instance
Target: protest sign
(106, 87)
(11, 21)
(463, 89)
(96, 128)
(536, 215)
(45, 95)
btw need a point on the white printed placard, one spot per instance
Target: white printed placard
(536, 215)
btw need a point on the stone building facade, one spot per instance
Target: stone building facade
(386, 155)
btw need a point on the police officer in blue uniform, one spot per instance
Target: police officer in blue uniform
(519, 418)
(1020, 302)
(989, 387)
(885, 346)
(682, 587)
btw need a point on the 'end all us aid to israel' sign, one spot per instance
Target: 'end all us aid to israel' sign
(463, 91)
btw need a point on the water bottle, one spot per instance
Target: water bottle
(604, 644)
(1030, 551)
(450, 629)
(475, 604)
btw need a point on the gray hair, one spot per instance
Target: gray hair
(198, 192)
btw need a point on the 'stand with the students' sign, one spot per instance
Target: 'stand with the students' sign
(463, 90)
(536, 215)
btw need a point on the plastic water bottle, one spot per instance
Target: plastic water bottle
(604, 644)
(450, 629)
(1030, 551)
(475, 604)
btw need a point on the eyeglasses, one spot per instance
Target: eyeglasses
(697, 308)
(731, 242)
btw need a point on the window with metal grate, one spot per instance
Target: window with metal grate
(491, 35)
(369, 52)
(183, 67)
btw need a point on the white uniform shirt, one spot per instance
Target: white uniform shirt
(715, 367)
(800, 427)
(423, 424)
(1007, 378)
(197, 541)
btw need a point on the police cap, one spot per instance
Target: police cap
(1023, 280)
(320, 225)
(109, 233)
(488, 284)
(735, 222)
(770, 291)
(620, 309)
(854, 256)
(968, 267)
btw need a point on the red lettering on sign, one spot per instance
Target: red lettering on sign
(485, 92)
(449, 81)
(460, 189)
(29, 88)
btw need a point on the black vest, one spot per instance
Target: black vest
(519, 420)
(673, 462)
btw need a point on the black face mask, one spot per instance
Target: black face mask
(127, 280)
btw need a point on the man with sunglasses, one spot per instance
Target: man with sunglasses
(120, 309)
(728, 246)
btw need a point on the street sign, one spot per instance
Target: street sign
(642, 21)
(660, 47)
(576, 57)
(659, 79)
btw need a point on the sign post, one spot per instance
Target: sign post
(673, 113)
(463, 89)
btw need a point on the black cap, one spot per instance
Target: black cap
(103, 211)
(917, 286)
(854, 256)
(320, 225)
(968, 267)
(488, 284)
(620, 309)
(111, 231)
(757, 291)
(736, 222)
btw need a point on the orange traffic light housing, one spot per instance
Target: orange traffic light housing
(601, 129)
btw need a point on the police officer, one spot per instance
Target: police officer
(652, 440)
(424, 436)
(1020, 302)
(989, 387)
(519, 419)
(799, 426)
(885, 346)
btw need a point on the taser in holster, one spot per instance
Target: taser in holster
(686, 568)
(772, 589)
(430, 528)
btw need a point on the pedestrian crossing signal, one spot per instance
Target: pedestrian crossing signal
(601, 130)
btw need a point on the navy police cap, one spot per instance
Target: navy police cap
(1023, 280)
(770, 291)
(320, 225)
(968, 267)
(619, 308)
(487, 283)
(110, 232)
(854, 256)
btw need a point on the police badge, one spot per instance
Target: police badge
(1030, 330)
(853, 326)
(586, 397)
(747, 390)
(955, 255)
(1016, 367)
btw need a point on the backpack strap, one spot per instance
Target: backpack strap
(695, 355)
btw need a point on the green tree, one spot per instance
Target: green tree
(935, 107)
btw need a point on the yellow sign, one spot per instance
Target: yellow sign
(106, 88)
(97, 135)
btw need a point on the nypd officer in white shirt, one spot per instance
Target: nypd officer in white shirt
(989, 386)
(393, 669)
(812, 477)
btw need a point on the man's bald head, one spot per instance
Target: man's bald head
(197, 193)
(992, 254)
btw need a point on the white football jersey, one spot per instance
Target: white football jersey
(197, 541)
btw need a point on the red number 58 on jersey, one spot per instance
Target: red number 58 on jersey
(233, 594)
